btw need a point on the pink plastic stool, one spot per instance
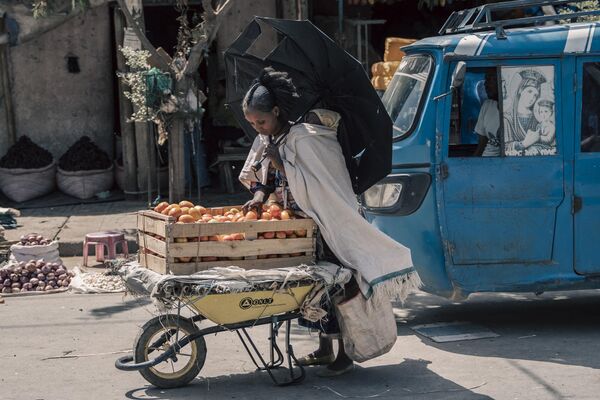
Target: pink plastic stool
(102, 240)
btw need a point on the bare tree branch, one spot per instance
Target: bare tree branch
(132, 23)
(210, 25)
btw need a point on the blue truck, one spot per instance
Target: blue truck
(525, 217)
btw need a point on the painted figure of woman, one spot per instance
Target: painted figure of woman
(521, 119)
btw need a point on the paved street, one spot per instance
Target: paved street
(547, 348)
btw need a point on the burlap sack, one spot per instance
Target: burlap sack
(85, 184)
(25, 184)
(368, 326)
(380, 82)
(385, 68)
(392, 48)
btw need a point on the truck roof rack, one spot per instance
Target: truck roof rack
(481, 18)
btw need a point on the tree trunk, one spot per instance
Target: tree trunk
(125, 110)
(212, 18)
(177, 152)
(6, 90)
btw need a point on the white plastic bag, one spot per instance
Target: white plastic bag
(368, 326)
(47, 252)
(84, 282)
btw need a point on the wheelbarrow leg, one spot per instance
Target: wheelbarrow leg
(265, 367)
(291, 356)
(257, 352)
(274, 348)
(273, 332)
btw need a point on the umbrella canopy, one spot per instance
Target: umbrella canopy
(326, 76)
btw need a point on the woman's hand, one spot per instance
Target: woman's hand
(255, 203)
(519, 146)
(272, 153)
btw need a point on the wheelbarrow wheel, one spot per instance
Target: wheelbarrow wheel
(156, 336)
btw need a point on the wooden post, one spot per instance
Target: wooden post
(143, 154)
(177, 158)
(302, 9)
(136, 8)
(152, 169)
(5, 82)
(125, 111)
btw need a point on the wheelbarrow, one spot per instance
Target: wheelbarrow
(170, 349)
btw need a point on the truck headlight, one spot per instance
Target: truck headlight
(384, 195)
(399, 194)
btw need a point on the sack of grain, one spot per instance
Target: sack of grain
(385, 68)
(392, 48)
(25, 184)
(85, 184)
(380, 82)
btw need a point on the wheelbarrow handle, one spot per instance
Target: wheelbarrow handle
(125, 363)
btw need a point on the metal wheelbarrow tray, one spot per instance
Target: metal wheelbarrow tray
(170, 349)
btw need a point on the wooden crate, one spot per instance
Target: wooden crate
(159, 251)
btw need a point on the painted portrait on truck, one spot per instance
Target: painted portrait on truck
(528, 111)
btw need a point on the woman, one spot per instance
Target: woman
(305, 167)
(522, 119)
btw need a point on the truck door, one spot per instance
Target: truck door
(500, 204)
(586, 200)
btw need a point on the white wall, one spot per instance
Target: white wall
(55, 107)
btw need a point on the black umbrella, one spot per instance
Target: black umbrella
(326, 77)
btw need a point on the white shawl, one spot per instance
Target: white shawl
(320, 183)
(247, 175)
(328, 118)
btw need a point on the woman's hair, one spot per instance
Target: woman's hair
(271, 88)
(525, 83)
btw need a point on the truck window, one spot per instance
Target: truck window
(404, 94)
(590, 108)
(475, 118)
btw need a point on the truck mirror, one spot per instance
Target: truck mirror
(458, 76)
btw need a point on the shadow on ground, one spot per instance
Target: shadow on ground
(409, 379)
(558, 327)
(104, 312)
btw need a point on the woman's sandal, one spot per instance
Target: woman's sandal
(313, 359)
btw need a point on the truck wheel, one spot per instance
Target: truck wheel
(156, 336)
